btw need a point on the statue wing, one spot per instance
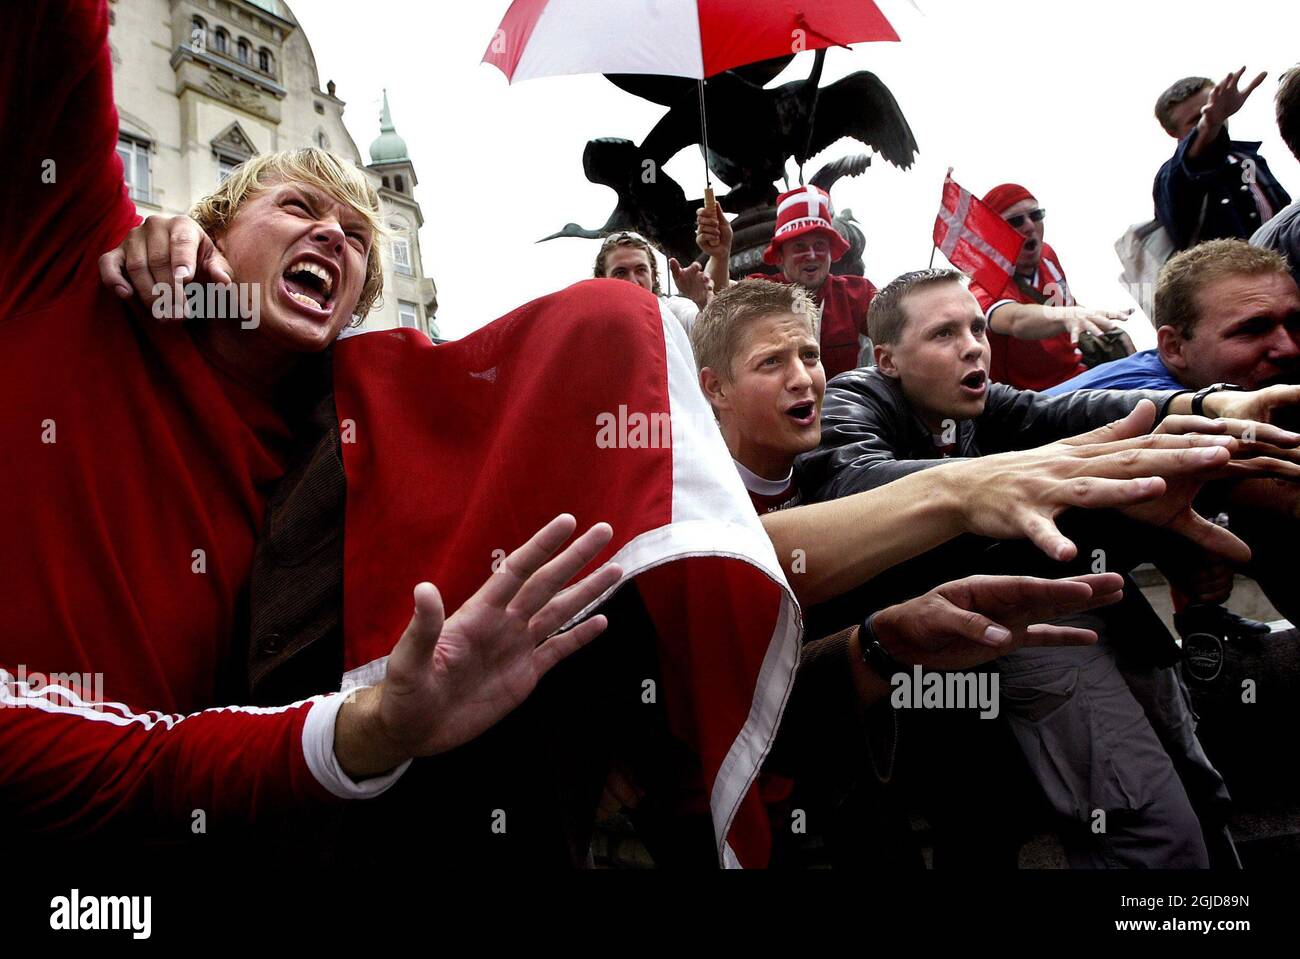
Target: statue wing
(861, 106)
(665, 91)
(853, 165)
(763, 72)
(668, 91)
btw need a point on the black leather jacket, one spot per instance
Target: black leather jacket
(871, 436)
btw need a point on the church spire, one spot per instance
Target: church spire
(388, 146)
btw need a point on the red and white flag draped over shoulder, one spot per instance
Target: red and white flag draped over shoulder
(975, 238)
(682, 38)
(585, 402)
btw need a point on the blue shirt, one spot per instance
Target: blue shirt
(1141, 371)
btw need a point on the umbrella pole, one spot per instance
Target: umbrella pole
(709, 202)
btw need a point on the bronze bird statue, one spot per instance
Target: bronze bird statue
(753, 130)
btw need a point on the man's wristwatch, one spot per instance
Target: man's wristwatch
(875, 655)
(1198, 401)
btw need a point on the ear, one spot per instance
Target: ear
(714, 389)
(1171, 345)
(885, 360)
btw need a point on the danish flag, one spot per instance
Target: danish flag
(974, 238)
(815, 199)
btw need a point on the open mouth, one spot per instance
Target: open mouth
(803, 413)
(309, 284)
(1031, 245)
(975, 380)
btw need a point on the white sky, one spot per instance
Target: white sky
(1057, 96)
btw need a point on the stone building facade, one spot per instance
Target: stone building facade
(202, 85)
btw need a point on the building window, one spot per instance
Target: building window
(244, 50)
(402, 255)
(135, 165)
(198, 33)
(221, 41)
(264, 60)
(408, 314)
(399, 184)
(322, 140)
(225, 166)
(387, 185)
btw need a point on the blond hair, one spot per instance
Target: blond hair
(319, 168)
(717, 331)
(1185, 275)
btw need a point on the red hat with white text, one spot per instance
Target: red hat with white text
(801, 211)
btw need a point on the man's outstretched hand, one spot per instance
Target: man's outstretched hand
(1151, 477)
(1226, 98)
(971, 621)
(1262, 451)
(167, 250)
(1078, 320)
(449, 681)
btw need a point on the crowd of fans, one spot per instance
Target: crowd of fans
(1226, 317)
(945, 483)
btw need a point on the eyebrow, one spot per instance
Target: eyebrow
(349, 218)
(760, 353)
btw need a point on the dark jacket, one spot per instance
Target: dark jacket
(871, 436)
(1282, 233)
(1213, 182)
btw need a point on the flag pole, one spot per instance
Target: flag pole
(704, 140)
(935, 247)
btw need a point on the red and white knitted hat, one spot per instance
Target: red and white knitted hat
(804, 210)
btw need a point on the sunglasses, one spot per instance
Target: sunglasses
(1018, 220)
(616, 238)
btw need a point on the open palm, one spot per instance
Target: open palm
(448, 682)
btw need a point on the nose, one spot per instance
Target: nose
(800, 377)
(1284, 344)
(329, 234)
(971, 347)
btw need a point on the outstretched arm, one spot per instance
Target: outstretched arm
(74, 765)
(1032, 321)
(829, 548)
(1226, 99)
(958, 625)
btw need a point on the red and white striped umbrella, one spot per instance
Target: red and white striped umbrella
(680, 38)
(683, 38)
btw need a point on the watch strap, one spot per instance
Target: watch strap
(874, 654)
(1198, 400)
